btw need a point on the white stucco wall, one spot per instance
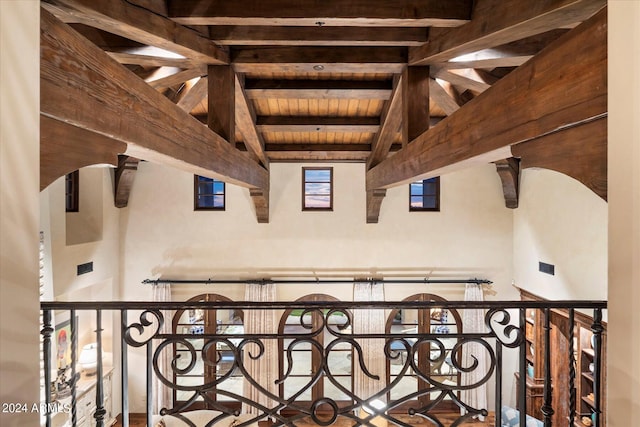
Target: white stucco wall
(19, 186)
(100, 243)
(163, 237)
(559, 221)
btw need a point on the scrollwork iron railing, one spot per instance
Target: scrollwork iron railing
(417, 387)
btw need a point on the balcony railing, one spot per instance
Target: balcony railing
(426, 370)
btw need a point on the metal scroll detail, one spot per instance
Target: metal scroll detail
(140, 333)
(416, 357)
(498, 320)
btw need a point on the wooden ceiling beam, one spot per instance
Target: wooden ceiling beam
(194, 95)
(390, 122)
(65, 148)
(152, 61)
(498, 22)
(462, 81)
(486, 63)
(579, 152)
(415, 108)
(441, 97)
(314, 59)
(398, 13)
(243, 35)
(318, 89)
(136, 23)
(317, 124)
(246, 122)
(546, 94)
(177, 78)
(83, 87)
(221, 117)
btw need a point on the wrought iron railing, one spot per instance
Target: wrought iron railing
(415, 357)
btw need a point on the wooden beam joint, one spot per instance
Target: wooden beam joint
(374, 202)
(509, 172)
(260, 198)
(124, 177)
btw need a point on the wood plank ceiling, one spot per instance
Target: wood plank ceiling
(322, 80)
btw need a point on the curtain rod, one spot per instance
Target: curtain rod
(317, 281)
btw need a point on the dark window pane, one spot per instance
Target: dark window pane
(429, 188)
(430, 202)
(209, 193)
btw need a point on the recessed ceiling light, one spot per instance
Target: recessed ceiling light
(318, 67)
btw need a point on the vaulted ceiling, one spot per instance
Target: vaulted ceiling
(410, 88)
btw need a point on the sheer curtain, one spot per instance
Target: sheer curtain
(364, 322)
(472, 322)
(264, 370)
(161, 393)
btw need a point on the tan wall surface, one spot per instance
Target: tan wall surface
(559, 221)
(624, 214)
(19, 137)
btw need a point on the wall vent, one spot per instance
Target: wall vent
(547, 268)
(85, 268)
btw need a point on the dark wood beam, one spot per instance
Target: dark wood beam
(579, 152)
(318, 89)
(246, 122)
(462, 81)
(390, 122)
(314, 59)
(416, 102)
(441, 97)
(546, 94)
(124, 176)
(177, 78)
(374, 203)
(318, 152)
(83, 87)
(383, 13)
(152, 61)
(486, 63)
(193, 96)
(242, 35)
(318, 124)
(260, 200)
(509, 172)
(65, 148)
(222, 101)
(497, 22)
(136, 23)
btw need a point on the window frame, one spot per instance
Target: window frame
(424, 326)
(436, 195)
(210, 326)
(304, 193)
(196, 206)
(323, 338)
(72, 191)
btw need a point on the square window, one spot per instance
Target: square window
(209, 194)
(425, 195)
(317, 189)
